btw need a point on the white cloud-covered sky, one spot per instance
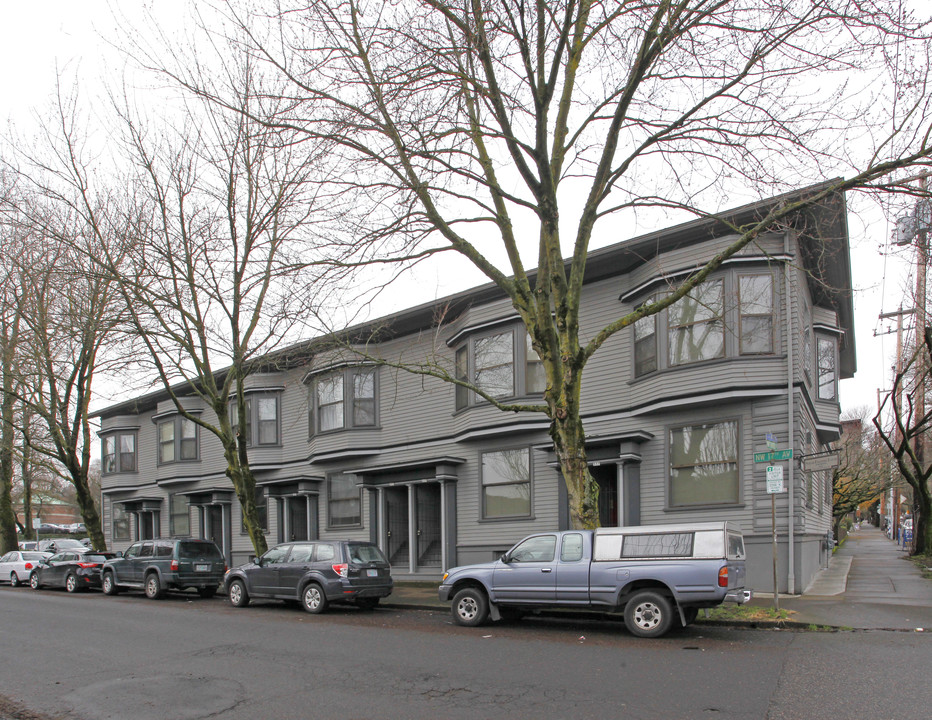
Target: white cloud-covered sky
(43, 39)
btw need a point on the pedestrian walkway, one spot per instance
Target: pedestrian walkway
(869, 584)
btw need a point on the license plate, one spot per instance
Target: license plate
(372, 573)
(202, 568)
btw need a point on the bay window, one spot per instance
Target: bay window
(119, 453)
(344, 399)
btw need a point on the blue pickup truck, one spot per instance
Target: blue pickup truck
(656, 575)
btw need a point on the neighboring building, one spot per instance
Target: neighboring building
(675, 409)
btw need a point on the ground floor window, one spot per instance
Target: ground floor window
(704, 464)
(119, 522)
(506, 483)
(344, 501)
(178, 515)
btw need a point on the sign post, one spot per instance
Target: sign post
(774, 486)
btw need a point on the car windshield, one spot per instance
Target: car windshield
(365, 553)
(198, 550)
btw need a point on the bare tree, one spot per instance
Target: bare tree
(490, 127)
(862, 474)
(912, 421)
(218, 267)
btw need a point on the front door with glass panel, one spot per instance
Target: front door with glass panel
(396, 526)
(297, 518)
(427, 504)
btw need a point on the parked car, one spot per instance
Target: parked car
(157, 566)
(656, 575)
(71, 570)
(17, 565)
(48, 529)
(316, 573)
(57, 545)
(27, 544)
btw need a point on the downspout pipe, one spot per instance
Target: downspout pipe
(790, 419)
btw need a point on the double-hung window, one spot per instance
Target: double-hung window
(344, 399)
(344, 501)
(119, 453)
(506, 484)
(179, 515)
(704, 464)
(755, 318)
(177, 440)
(826, 371)
(645, 343)
(119, 521)
(262, 419)
(499, 366)
(696, 324)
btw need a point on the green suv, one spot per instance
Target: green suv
(157, 566)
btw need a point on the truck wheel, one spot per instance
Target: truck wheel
(109, 586)
(470, 607)
(154, 590)
(648, 614)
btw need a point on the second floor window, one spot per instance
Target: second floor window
(696, 324)
(344, 399)
(755, 319)
(262, 411)
(645, 343)
(498, 366)
(177, 440)
(119, 453)
(827, 376)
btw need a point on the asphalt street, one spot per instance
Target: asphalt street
(92, 657)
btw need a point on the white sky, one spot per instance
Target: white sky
(42, 36)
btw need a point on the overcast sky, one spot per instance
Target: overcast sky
(40, 38)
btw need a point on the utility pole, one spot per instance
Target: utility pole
(897, 406)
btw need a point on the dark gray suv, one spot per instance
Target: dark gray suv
(156, 566)
(315, 573)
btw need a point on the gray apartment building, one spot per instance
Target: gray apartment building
(675, 408)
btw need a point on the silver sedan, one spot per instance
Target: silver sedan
(15, 566)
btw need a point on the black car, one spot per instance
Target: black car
(316, 574)
(71, 570)
(157, 566)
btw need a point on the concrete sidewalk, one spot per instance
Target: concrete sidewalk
(869, 584)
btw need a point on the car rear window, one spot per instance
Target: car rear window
(197, 550)
(98, 557)
(34, 556)
(365, 553)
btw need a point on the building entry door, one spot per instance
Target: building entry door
(215, 525)
(297, 518)
(427, 504)
(607, 477)
(396, 526)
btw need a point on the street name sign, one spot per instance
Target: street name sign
(768, 457)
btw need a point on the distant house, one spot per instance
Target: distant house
(678, 411)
